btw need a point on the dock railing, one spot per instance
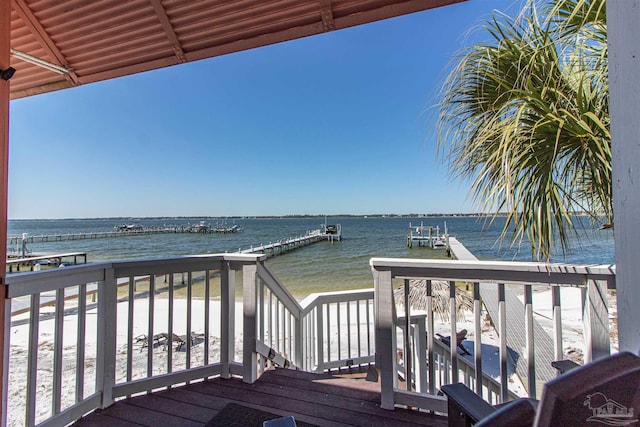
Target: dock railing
(423, 354)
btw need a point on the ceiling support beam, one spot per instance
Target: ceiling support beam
(168, 29)
(327, 15)
(5, 37)
(43, 38)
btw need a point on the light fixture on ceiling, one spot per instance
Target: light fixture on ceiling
(40, 62)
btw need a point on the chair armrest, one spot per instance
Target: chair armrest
(465, 407)
(519, 413)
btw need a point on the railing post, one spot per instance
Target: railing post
(385, 332)
(106, 345)
(227, 317)
(595, 321)
(249, 355)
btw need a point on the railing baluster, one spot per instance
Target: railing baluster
(189, 310)
(557, 323)
(57, 352)
(260, 315)
(327, 322)
(370, 308)
(430, 337)
(207, 314)
(502, 325)
(338, 322)
(477, 335)
(348, 329)
(277, 328)
(291, 338)
(80, 341)
(150, 319)
(130, 322)
(528, 322)
(359, 328)
(283, 335)
(454, 339)
(170, 316)
(407, 338)
(32, 363)
(270, 328)
(421, 350)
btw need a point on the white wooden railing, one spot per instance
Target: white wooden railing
(426, 355)
(82, 337)
(141, 329)
(338, 328)
(325, 331)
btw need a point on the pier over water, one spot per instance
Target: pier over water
(121, 231)
(327, 232)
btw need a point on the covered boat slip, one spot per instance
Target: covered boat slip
(54, 45)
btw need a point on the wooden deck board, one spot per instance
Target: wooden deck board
(177, 408)
(141, 416)
(319, 399)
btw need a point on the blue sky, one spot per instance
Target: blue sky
(336, 123)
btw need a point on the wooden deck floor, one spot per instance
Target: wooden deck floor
(319, 399)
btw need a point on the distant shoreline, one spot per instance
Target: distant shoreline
(322, 216)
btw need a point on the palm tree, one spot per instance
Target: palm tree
(525, 118)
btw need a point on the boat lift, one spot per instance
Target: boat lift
(429, 236)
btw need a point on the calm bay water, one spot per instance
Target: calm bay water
(320, 267)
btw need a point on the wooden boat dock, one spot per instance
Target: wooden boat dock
(330, 233)
(31, 262)
(14, 240)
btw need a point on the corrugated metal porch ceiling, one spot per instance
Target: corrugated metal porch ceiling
(56, 44)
